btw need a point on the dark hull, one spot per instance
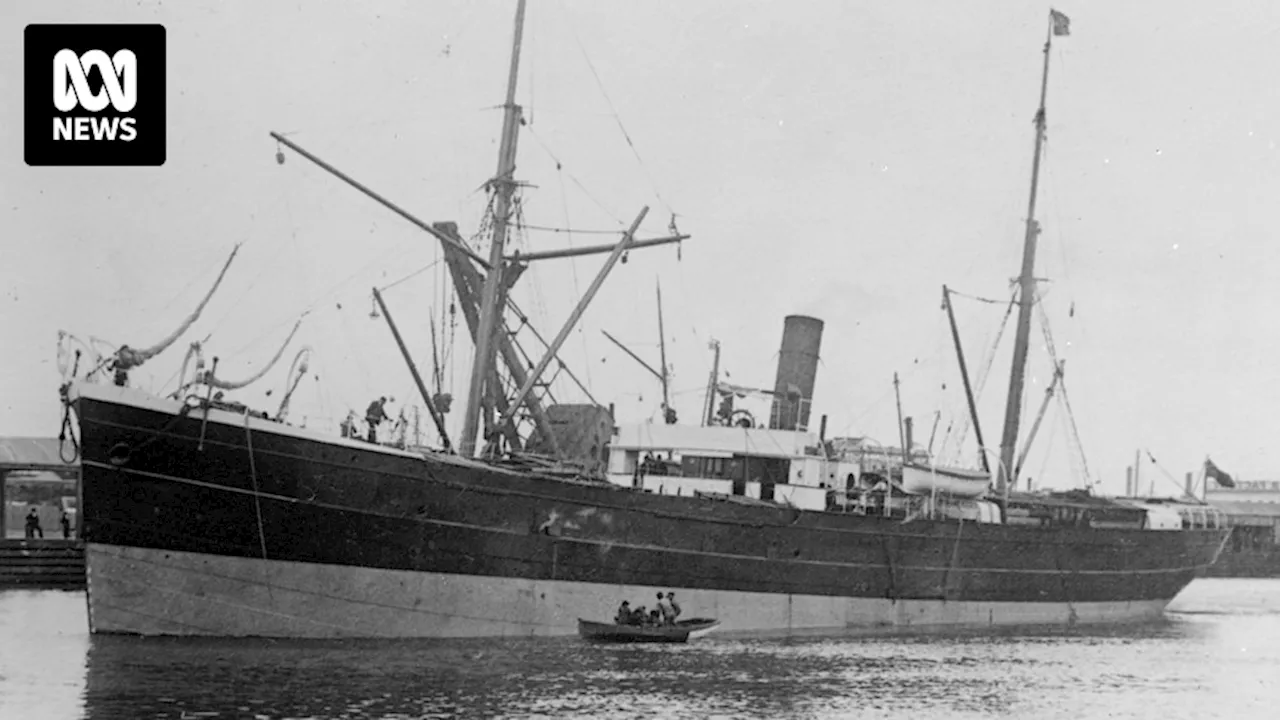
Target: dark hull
(310, 501)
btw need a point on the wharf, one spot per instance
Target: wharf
(42, 564)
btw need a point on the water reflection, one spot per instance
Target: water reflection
(43, 654)
(1199, 663)
(985, 676)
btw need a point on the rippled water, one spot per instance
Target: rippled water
(1217, 656)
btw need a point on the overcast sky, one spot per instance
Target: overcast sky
(839, 159)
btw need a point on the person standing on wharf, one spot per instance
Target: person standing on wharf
(107, 105)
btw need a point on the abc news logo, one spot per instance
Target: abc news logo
(71, 89)
(108, 101)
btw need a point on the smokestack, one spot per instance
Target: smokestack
(1128, 482)
(822, 430)
(797, 371)
(1190, 494)
(906, 451)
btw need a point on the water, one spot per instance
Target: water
(1217, 656)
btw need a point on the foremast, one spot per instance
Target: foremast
(484, 299)
(1058, 25)
(491, 303)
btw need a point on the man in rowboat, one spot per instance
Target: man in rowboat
(675, 608)
(664, 606)
(624, 614)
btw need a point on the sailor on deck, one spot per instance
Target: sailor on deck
(348, 426)
(375, 414)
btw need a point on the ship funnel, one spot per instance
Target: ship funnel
(797, 370)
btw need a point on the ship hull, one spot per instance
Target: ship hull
(157, 592)
(220, 524)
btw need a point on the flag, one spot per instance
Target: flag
(1061, 23)
(1212, 471)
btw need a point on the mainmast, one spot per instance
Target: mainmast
(1058, 25)
(491, 302)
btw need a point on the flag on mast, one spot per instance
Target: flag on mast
(1061, 23)
(1213, 471)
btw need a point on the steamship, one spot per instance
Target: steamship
(203, 517)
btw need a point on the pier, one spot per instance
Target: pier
(42, 565)
(34, 476)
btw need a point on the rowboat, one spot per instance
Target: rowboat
(677, 633)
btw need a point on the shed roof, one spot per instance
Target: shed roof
(28, 453)
(1242, 508)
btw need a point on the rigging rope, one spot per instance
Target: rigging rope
(1048, 450)
(68, 431)
(181, 375)
(570, 230)
(618, 119)
(572, 177)
(322, 297)
(253, 474)
(1062, 393)
(573, 267)
(984, 371)
(1075, 431)
(209, 379)
(524, 321)
(300, 366)
(989, 301)
(991, 354)
(126, 357)
(1161, 468)
(436, 378)
(283, 200)
(411, 275)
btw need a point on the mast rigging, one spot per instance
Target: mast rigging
(490, 305)
(485, 297)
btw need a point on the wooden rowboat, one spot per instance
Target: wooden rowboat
(677, 633)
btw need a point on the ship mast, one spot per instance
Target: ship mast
(1026, 282)
(666, 378)
(964, 376)
(485, 298)
(711, 384)
(491, 307)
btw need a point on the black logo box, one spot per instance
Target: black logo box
(41, 43)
